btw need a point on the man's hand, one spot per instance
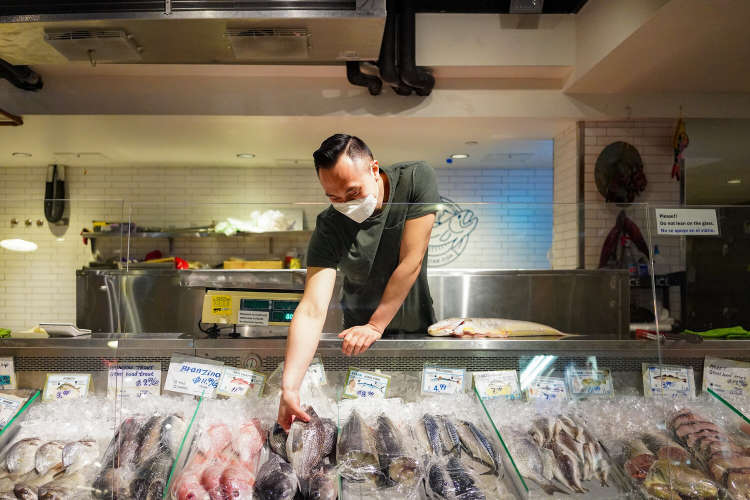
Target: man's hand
(358, 339)
(289, 410)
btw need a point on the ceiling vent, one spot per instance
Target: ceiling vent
(108, 46)
(526, 6)
(273, 44)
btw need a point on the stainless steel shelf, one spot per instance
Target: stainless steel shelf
(186, 233)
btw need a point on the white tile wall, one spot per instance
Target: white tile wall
(40, 286)
(565, 233)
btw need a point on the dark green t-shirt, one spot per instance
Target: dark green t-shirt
(368, 253)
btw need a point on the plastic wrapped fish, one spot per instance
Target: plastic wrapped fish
(490, 327)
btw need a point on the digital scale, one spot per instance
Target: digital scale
(250, 314)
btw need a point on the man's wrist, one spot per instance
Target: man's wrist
(377, 327)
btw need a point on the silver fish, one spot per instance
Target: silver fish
(449, 436)
(356, 452)
(49, 456)
(151, 478)
(79, 455)
(432, 430)
(21, 456)
(438, 481)
(67, 487)
(396, 466)
(568, 472)
(172, 431)
(149, 438)
(276, 480)
(305, 444)
(536, 464)
(123, 447)
(464, 487)
(478, 446)
(542, 431)
(331, 433)
(277, 440)
(323, 484)
(563, 438)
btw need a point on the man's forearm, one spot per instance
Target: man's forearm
(396, 290)
(304, 336)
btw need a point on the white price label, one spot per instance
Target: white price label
(9, 406)
(239, 383)
(547, 388)
(7, 374)
(253, 318)
(193, 376)
(436, 380)
(726, 377)
(587, 382)
(365, 384)
(668, 381)
(66, 386)
(497, 384)
(134, 380)
(687, 221)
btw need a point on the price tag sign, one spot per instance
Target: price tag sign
(437, 380)
(134, 380)
(589, 382)
(497, 384)
(668, 381)
(9, 406)
(239, 383)
(194, 376)
(366, 384)
(7, 374)
(547, 388)
(66, 386)
(726, 377)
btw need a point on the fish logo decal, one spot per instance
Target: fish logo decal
(450, 233)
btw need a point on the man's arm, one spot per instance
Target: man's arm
(302, 342)
(414, 242)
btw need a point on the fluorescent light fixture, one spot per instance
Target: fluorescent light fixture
(471, 143)
(734, 181)
(460, 156)
(18, 245)
(19, 154)
(246, 156)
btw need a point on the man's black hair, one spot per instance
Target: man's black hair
(332, 148)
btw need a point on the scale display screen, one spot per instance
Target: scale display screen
(280, 311)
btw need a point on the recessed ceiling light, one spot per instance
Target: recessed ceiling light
(460, 156)
(471, 143)
(734, 181)
(246, 156)
(22, 155)
(18, 245)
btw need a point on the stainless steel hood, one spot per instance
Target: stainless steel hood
(191, 32)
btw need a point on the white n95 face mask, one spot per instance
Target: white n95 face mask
(358, 210)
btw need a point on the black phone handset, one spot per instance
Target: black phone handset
(54, 194)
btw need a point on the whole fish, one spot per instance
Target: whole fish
(563, 438)
(449, 436)
(49, 456)
(568, 471)
(464, 487)
(438, 481)
(478, 447)
(536, 464)
(22, 455)
(123, 447)
(151, 478)
(114, 483)
(305, 444)
(248, 441)
(665, 479)
(79, 455)
(149, 439)
(237, 482)
(276, 480)
(277, 440)
(394, 462)
(331, 433)
(356, 452)
(490, 327)
(323, 484)
(211, 481)
(74, 486)
(432, 431)
(28, 486)
(172, 431)
(542, 431)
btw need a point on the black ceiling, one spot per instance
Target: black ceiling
(35, 7)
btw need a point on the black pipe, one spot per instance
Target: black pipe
(421, 80)
(387, 59)
(356, 77)
(22, 77)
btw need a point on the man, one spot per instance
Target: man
(376, 231)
